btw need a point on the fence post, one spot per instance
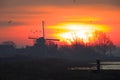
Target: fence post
(98, 65)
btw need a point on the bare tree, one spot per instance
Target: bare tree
(76, 40)
(103, 44)
(100, 41)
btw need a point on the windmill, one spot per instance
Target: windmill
(43, 36)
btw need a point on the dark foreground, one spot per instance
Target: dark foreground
(47, 70)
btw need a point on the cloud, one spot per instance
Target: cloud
(10, 23)
(20, 3)
(22, 12)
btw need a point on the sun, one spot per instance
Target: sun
(77, 32)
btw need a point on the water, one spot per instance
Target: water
(104, 66)
(110, 65)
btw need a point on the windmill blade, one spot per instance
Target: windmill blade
(32, 38)
(53, 39)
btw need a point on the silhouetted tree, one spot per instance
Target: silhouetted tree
(7, 48)
(9, 43)
(103, 43)
(52, 47)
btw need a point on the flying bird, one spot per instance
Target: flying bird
(10, 21)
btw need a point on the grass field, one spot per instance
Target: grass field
(48, 70)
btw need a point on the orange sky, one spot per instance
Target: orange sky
(26, 20)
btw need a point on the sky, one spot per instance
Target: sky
(20, 19)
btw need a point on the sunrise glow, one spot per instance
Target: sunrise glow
(70, 32)
(62, 18)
